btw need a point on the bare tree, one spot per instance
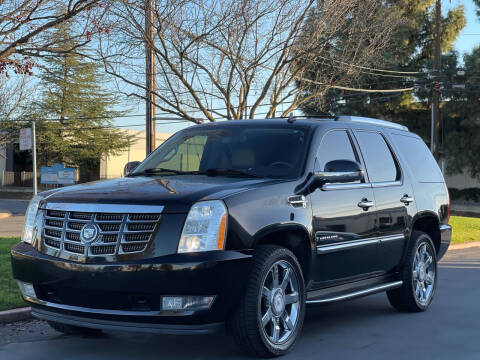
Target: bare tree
(27, 29)
(14, 94)
(236, 58)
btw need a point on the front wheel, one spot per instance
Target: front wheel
(419, 275)
(270, 316)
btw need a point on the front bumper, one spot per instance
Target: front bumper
(445, 238)
(127, 295)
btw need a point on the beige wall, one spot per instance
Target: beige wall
(112, 166)
(461, 181)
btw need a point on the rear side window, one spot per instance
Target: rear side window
(336, 145)
(378, 158)
(419, 158)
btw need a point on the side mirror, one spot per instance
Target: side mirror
(337, 171)
(340, 171)
(129, 167)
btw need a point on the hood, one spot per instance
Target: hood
(176, 193)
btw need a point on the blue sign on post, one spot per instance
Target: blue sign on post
(57, 174)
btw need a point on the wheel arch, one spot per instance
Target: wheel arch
(293, 236)
(429, 223)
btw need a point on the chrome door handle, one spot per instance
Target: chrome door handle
(406, 199)
(365, 204)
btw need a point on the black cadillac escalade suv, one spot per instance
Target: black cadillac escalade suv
(241, 223)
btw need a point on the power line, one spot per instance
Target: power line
(389, 73)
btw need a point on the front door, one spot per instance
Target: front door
(344, 218)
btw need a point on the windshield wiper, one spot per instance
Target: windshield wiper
(154, 171)
(208, 172)
(220, 171)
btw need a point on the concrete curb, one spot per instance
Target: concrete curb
(472, 244)
(13, 315)
(4, 215)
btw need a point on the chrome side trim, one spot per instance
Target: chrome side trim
(375, 289)
(329, 187)
(103, 208)
(391, 238)
(325, 249)
(386, 183)
(108, 311)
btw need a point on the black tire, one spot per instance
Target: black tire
(74, 330)
(404, 298)
(245, 323)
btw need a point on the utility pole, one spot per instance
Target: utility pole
(436, 86)
(34, 158)
(149, 76)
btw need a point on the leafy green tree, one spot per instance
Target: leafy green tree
(411, 51)
(75, 115)
(461, 116)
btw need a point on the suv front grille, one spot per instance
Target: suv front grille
(116, 233)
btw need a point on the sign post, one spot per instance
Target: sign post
(34, 153)
(28, 142)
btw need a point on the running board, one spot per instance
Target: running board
(358, 293)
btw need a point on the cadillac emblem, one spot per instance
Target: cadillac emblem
(89, 233)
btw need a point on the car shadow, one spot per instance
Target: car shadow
(320, 320)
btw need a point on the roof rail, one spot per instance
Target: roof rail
(371, 121)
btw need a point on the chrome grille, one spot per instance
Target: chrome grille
(128, 248)
(117, 233)
(75, 248)
(52, 243)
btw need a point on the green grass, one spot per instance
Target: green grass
(465, 229)
(9, 294)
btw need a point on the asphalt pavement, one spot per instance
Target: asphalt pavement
(14, 207)
(367, 328)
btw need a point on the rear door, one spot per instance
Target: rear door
(393, 196)
(343, 228)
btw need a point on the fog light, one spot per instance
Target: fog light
(27, 289)
(176, 303)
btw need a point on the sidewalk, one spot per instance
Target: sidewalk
(12, 226)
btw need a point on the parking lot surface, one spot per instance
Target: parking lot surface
(367, 328)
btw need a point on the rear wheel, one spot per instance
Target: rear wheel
(270, 316)
(74, 330)
(419, 275)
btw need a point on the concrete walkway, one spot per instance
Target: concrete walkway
(11, 226)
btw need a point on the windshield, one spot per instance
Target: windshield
(273, 152)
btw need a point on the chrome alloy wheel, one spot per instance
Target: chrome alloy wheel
(423, 274)
(279, 303)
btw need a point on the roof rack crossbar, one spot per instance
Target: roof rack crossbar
(366, 120)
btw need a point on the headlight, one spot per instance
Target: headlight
(205, 227)
(27, 235)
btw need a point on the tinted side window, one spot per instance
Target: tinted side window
(336, 145)
(378, 158)
(418, 158)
